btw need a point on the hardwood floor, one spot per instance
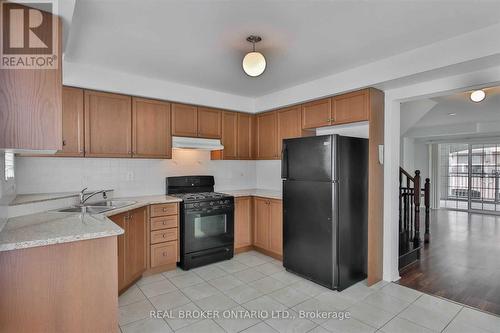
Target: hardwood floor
(462, 261)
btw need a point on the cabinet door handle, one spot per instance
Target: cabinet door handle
(164, 209)
(165, 254)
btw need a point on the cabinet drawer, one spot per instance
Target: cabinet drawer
(164, 209)
(163, 254)
(163, 235)
(164, 222)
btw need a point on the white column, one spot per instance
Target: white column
(391, 188)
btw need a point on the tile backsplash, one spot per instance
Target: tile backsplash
(128, 177)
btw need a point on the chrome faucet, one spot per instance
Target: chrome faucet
(84, 199)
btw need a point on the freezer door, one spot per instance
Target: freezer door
(308, 231)
(307, 158)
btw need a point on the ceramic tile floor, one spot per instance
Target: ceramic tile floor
(253, 281)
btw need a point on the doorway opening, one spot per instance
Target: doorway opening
(455, 143)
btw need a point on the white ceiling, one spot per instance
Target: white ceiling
(201, 43)
(464, 109)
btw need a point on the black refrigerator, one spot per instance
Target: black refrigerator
(325, 208)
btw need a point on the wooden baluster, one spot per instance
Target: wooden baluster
(427, 201)
(400, 199)
(416, 197)
(408, 208)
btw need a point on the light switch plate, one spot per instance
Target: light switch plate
(381, 154)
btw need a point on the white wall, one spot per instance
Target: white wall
(268, 175)
(128, 177)
(415, 156)
(7, 189)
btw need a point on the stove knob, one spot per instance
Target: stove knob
(196, 205)
(211, 203)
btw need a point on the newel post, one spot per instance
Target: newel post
(416, 198)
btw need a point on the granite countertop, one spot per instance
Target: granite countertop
(271, 194)
(53, 227)
(22, 199)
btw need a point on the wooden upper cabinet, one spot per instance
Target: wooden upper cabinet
(242, 222)
(31, 101)
(351, 107)
(276, 226)
(245, 136)
(72, 122)
(289, 124)
(209, 123)
(151, 137)
(184, 120)
(108, 125)
(267, 148)
(229, 135)
(317, 113)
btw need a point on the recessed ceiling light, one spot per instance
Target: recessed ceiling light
(254, 62)
(477, 96)
(452, 114)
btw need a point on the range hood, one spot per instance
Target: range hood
(196, 143)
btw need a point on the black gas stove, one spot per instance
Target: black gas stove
(206, 220)
(201, 196)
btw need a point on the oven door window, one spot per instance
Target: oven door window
(209, 225)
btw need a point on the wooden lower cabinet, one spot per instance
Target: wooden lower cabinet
(131, 246)
(276, 226)
(149, 244)
(259, 224)
(163, 235)
(66, 287)
(164, 253)
(135, 241)
(268, 225)
(243, 213)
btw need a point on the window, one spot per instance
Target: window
(470, 176)
(9, 165)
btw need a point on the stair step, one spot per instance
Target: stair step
(409, 254)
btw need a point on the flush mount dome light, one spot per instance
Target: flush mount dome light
(254, 62)
(477, 96)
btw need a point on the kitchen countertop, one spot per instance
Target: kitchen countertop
(53, 227)
(271, 194)
(22, 199)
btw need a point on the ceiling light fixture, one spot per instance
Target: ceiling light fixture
(452, 114)
(477, 96)
(254, 62)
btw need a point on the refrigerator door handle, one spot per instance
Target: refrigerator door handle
(284, 162)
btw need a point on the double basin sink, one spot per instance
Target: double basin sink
(97, 207)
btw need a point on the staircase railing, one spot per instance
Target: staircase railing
(410, 195)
